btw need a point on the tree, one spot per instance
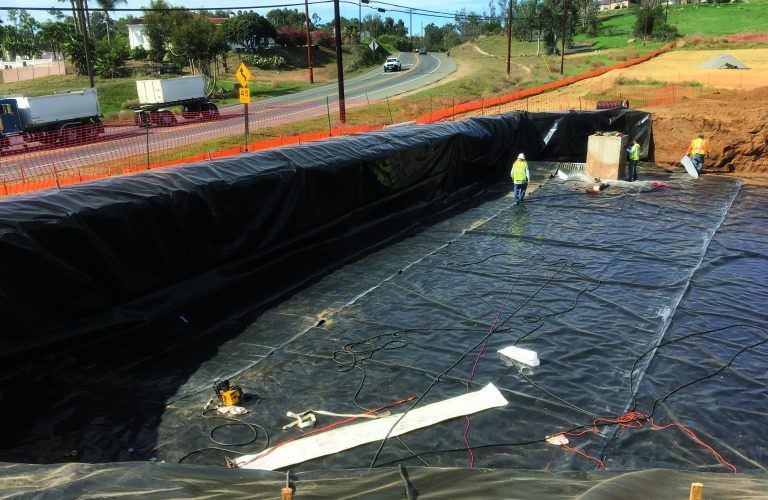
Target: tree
(99, 26)
(588, 22)
(551, 16)
(286, 17)
(53, 35)
(158, 26)
(373, 24)
(468, 24)
(74, 50)
(20, 37)
(444, 38)
(197, 42)
(526, 21)
(106, 6)
(649, 22)
(111, 57)
(248, 29)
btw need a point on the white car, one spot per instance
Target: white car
(392, 64)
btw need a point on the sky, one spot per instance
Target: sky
(324, 8)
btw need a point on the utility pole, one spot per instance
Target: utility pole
(562, 50)
(309, 43)
(410, 24)
(81, 15)
(509, 37)
(339, 63)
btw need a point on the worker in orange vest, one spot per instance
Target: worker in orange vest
(698, 151)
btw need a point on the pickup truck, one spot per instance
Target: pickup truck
(392, 64)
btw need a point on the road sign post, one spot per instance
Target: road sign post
(243, 75)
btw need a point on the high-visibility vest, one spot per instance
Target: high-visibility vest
(520, 171)
(698, 146)
(634, 153)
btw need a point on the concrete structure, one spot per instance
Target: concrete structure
(606, 157)
(19, 74)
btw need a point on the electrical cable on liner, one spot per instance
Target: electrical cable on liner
(631, 419)
(232, 422)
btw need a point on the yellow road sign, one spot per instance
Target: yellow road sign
(245, 96)
(243, 75)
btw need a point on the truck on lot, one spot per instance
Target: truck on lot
(67, 118)
(155, 96)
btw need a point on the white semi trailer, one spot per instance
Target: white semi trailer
(158, 94)
(67, 118)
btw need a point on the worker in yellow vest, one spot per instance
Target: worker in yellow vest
(698, 150)
(634, 156)
(520, 177)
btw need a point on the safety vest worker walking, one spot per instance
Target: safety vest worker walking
(698, 151)
(520, 177)
(634, 156)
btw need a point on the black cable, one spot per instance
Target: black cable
(562, 265)
(680, 339)
(350, 356)
(232, 422)
(574, 267)
(410, 492)
(605, 424)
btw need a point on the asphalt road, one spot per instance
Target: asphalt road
(122, 141)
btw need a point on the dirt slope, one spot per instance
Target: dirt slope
(735, 123)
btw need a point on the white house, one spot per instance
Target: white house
(137, 37)
(613, 4)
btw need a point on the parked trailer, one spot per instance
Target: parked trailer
(158, 94)
(66, 118)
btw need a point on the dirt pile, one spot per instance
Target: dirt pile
(734, 122)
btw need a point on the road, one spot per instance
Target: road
(125, 141)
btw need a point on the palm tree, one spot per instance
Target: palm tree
(106, 6)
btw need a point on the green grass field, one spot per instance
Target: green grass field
(691, 20)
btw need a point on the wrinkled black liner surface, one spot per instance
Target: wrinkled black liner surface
(594, 282)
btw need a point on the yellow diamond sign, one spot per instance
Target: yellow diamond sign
(243, 75)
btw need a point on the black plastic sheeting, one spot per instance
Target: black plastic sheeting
(128, 480)
(118, 253)
(594, 282)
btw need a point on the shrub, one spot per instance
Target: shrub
(139, 53)
(323, 39)
(360, 56)
(265, 62)
(289, 36)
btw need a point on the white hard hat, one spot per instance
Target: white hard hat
(521, 156)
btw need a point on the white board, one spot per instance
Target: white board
(350, 436)
(688, 164)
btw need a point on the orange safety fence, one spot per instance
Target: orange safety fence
(129, 145)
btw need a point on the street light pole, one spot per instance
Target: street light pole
(309, 43)
(339, 62)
